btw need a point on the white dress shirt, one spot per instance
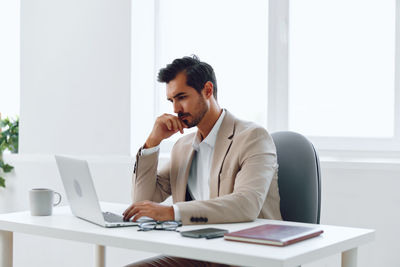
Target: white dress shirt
(199, 174)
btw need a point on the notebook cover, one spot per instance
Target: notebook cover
(274, 234)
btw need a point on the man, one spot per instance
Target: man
(226, 172)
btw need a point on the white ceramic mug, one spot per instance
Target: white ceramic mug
(41, 201)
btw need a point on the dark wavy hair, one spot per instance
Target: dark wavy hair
(197, 73)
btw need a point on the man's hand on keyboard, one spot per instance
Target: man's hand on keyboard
(150, 209)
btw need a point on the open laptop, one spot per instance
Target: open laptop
(82, 197)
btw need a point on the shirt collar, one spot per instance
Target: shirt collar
(211, 137)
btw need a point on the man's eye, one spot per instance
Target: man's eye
(181, 97)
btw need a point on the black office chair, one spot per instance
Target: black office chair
(299, 178)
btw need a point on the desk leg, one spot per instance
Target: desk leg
(99, 256)
(349, 258)
(6, 249)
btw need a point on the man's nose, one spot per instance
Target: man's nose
(177, 107)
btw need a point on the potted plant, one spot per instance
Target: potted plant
(9, 129)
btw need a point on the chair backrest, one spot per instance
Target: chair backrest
(299, 178)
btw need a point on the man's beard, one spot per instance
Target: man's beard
(201, 110)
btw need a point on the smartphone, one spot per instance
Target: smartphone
(205, 232)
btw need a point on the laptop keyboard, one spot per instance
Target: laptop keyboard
(112, 217)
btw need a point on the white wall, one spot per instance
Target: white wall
(75, 76)
(365, 195)
(75, 99)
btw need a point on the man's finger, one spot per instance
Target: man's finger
(139, 203)
(132, 206)
(139, 215)
(180, 126)
(168, 123)
(128, 209)
(131, 213)
(175, 124)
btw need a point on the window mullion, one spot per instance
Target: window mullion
(397, 75)
(157, 53)
(278, 65)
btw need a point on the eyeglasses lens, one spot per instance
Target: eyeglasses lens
(168, 225)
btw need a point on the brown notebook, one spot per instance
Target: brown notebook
(274, 234)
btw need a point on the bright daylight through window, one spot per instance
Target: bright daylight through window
(341, 68)
(9, 58)
(234, 41)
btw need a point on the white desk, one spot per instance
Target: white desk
(63, 225)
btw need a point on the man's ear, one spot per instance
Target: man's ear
(208, 89)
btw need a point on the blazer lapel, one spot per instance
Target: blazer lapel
(221, 148)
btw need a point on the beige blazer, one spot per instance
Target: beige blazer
(243, 178)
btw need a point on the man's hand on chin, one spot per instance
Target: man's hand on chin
(150, 209)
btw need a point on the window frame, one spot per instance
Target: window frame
(278, 88)
(278, 91)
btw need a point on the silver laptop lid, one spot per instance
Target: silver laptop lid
(80, 190)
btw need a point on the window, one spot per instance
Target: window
(232, 36)
(341, 68)
(9, 58)
(323, 68)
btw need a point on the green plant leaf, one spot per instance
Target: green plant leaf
(9, 134)
(8, 141)
(3, 146)
(6, 132)
(7, 168)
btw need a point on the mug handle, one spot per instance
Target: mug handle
(59, 199)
